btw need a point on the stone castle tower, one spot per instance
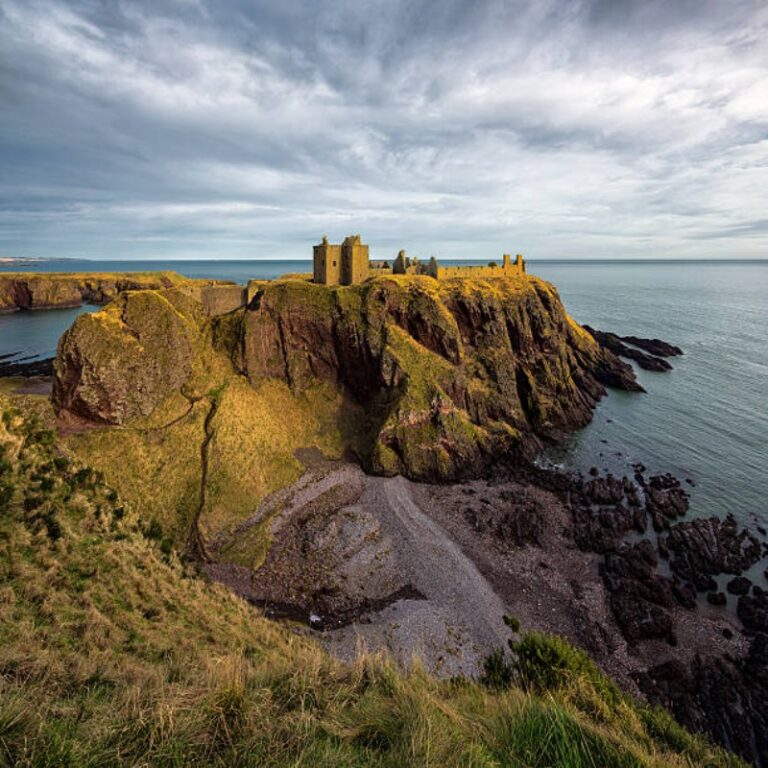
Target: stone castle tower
(343, 264)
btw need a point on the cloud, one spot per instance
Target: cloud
(568, 128)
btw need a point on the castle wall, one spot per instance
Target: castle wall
(327, 261)
(220, 299)
(354, 261)
(508, 268)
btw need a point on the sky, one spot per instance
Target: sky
(457, 128)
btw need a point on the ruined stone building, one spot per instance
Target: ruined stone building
(344, 264)
(348, 263)
(507, 268)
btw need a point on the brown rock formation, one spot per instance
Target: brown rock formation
(451, 375)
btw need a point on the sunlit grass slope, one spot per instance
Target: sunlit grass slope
(111, 654)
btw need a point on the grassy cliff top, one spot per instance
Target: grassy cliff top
(113, 654)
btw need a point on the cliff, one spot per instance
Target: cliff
(448, 376)
(53, 290)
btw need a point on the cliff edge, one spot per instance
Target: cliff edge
(57, 290)
(445, 376)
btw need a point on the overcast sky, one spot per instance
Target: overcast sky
(248, 129)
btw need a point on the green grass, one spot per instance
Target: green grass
(113, 654)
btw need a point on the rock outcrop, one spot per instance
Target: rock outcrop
(723, 696)
(706, 547)
(648, 362)
(450, 375)
(56, 290)
(122, 362)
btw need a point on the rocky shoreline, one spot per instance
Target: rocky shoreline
(607, 562)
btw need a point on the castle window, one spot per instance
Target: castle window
(334, 263)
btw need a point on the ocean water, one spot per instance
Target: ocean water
(707, 420)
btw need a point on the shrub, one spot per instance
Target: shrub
(496, 672)
(61, 463)
(541, 663)
(154, 531)
(546, 662)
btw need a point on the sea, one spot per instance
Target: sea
(705, 421)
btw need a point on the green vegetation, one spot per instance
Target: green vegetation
(113, 654)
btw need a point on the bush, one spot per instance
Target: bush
(546, 662)
(539, 662)
(61, 463)
(496, 672)
(154, 531)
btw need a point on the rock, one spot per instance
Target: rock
(719, 695)
(753, 611)
(716, 598)
(665, 500)
(57, 290)
(446, 378)
(603, 510)
(455, 372)
(655, 347)
(121, 363)
(739, 586)
(612, 342)
(31, 368)
(684, 593)
(640, 600)
(513, 521)
(706, 547)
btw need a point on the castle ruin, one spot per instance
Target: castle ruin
(348, 263)
(344, 264)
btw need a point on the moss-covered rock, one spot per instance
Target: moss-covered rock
(453, 374)
(122, 362)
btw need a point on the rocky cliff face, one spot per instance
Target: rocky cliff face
(450, 375)
(453, 373)
(57, 290)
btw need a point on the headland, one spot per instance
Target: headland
(354, 451)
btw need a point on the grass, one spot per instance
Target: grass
(155, 463)
(112, 653)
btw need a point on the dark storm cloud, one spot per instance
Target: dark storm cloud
(234, 128)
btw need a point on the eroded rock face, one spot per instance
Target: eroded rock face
(722, 696)
(122, 362)
(452, 374)
(641, 600)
